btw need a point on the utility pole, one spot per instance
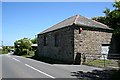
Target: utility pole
(2, 43)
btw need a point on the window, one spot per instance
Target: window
(56, 40)
(45, 41)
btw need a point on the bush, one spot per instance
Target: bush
(22, 46)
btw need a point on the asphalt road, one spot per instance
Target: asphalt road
(20, 67)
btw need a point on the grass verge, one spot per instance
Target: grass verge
(102, 63)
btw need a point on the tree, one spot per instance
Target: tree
(111, 18)
(34, 41)
(101, 19)
(22, 46)
(5, 49)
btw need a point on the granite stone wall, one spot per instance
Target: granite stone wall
(73, 45)
(89, 42)
(62, 52)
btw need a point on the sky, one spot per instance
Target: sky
(27, 19)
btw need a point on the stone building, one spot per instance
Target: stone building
(74, 39)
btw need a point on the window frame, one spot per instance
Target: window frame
(56, 40)
(45, 40)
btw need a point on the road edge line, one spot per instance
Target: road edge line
(16, 59)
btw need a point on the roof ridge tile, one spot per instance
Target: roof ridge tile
(76, 18)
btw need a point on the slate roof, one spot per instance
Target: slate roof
(77, 20)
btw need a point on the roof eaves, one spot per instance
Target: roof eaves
(54, 29)
(94, 27)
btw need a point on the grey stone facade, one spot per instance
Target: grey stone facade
(73, 43)
(64, 51)
(89, 42)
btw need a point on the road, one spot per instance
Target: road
(20, 67)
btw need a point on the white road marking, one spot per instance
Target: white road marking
(34, 61)
(16, 59)
(40, 71)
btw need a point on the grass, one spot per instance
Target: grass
(4, 52)
(100, 63)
